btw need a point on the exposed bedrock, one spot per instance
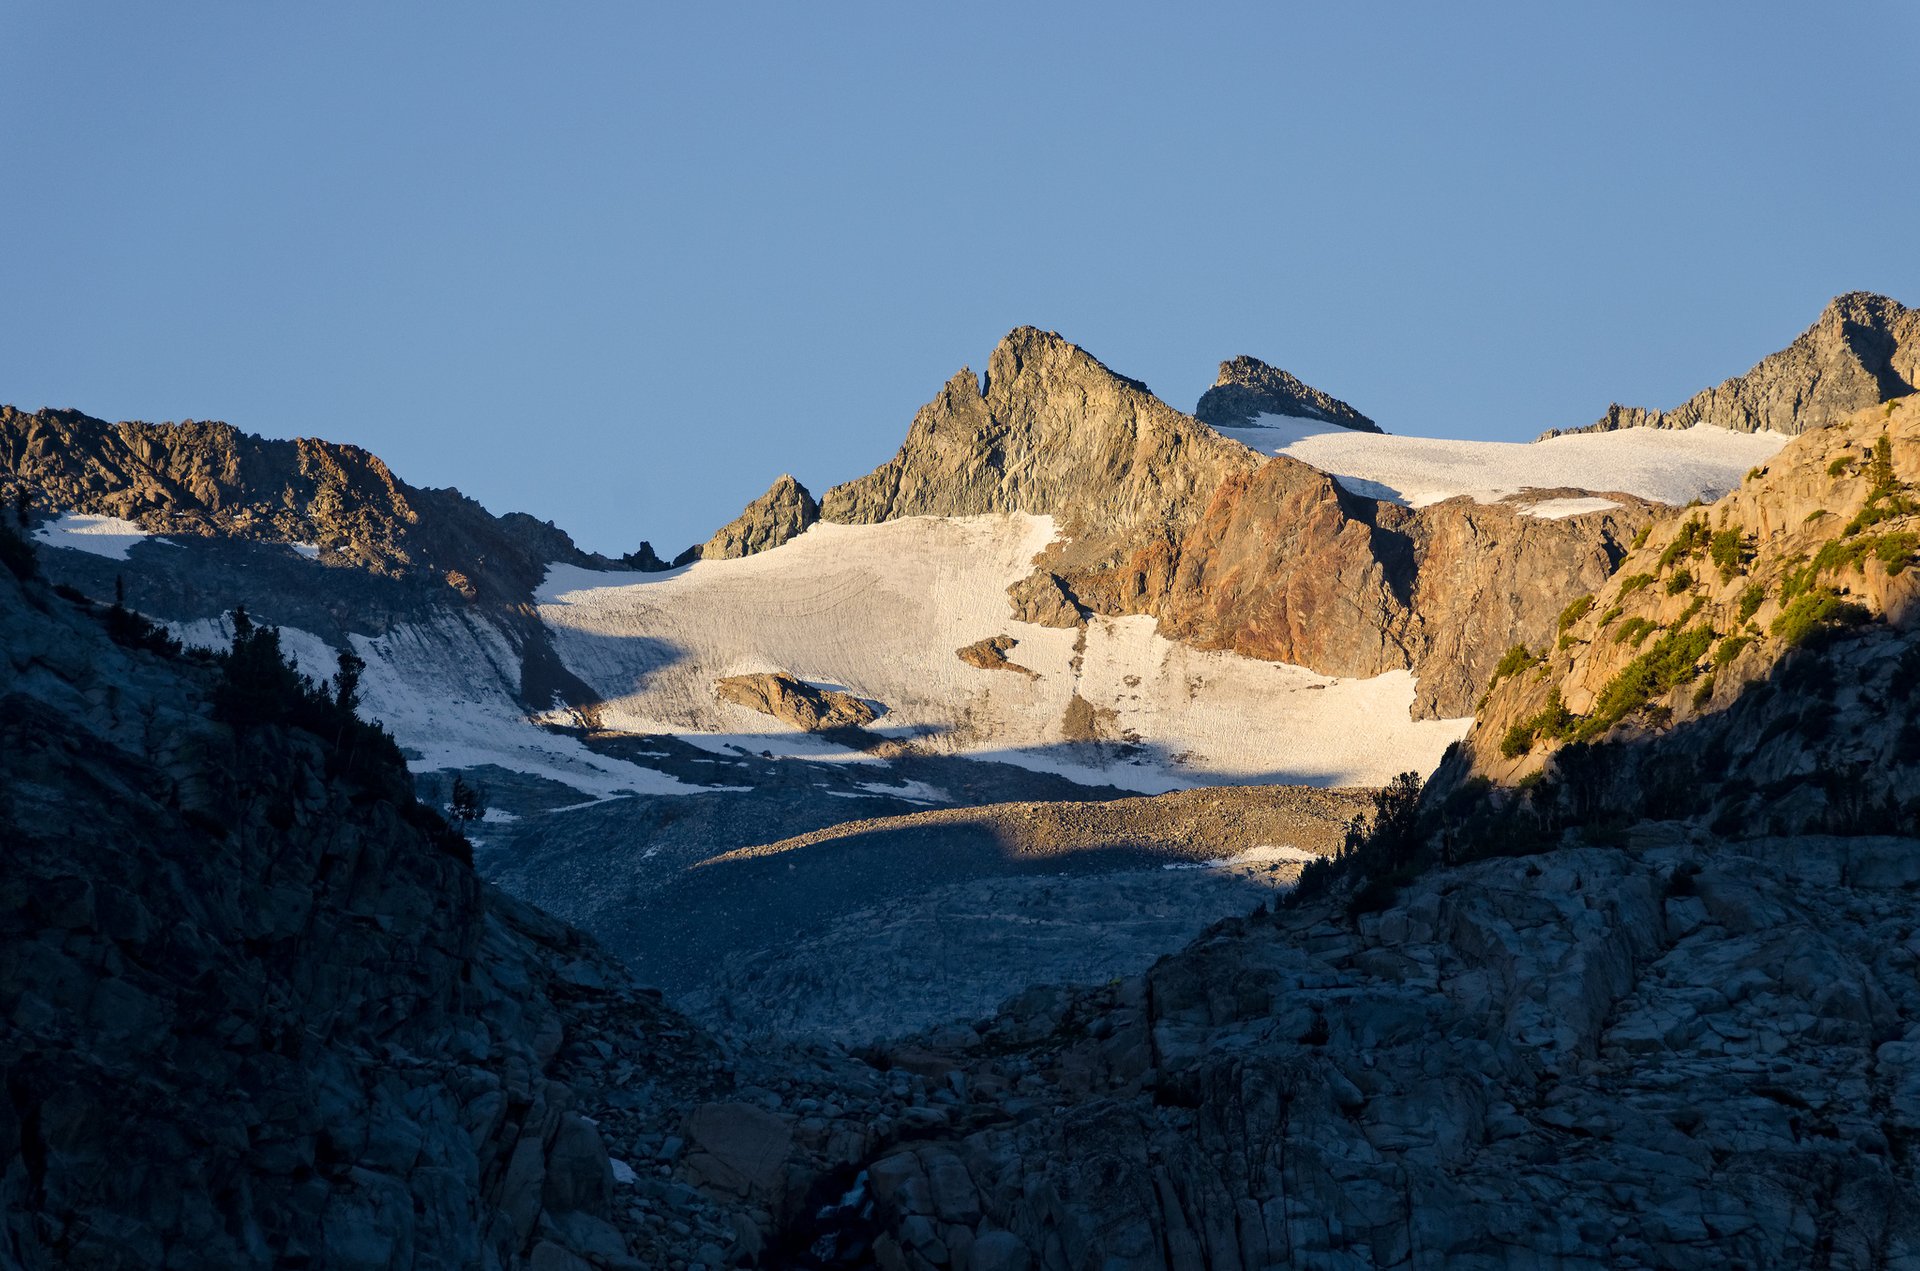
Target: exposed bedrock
(795, 702)
(784, 510)
(1248, 388)
(1863, 350)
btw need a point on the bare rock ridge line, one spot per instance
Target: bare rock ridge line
(1051, 432)
(1863, 350)
(784, 510)
(1248, 388)
(204, 478)
(389, 551)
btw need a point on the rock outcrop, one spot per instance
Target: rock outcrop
(1587, 1056)
(784, 510)
(210, 479)
(796, 702)
(1864, 350)
(1050, 432)
(1248, 388)
(990, 654)
(1810, 569)
(1285, 565)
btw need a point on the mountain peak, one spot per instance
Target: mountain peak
(786, 509)
(1026, 346)
(1864, 349)
(1247, 388)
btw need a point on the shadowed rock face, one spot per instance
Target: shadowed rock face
(1864, 350)
(258, 1008)
(1557, 1060)
(786, 509)
(1247, 388)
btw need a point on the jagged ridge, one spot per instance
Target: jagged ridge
(1863, 350)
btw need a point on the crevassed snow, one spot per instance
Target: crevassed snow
(1663, 464)
(440, 687)
(883, 609)
(107, 536)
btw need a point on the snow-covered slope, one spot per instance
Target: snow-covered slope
(1666, 465)
(881, 610)
(441, 688)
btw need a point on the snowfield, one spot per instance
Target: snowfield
(107, 536)
(1663, 464)
(882, 610)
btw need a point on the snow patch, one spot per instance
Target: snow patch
(107, 536)
(1662, 464)
(309, 550)
(1560, 509)
(911, 791)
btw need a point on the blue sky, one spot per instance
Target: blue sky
(620, 265)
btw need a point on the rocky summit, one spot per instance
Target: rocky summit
(998, 865)
(1248, 388)
(1864, 350)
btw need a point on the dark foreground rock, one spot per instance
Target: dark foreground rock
(1679, 1052)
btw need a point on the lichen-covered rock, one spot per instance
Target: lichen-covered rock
(1247, 388)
